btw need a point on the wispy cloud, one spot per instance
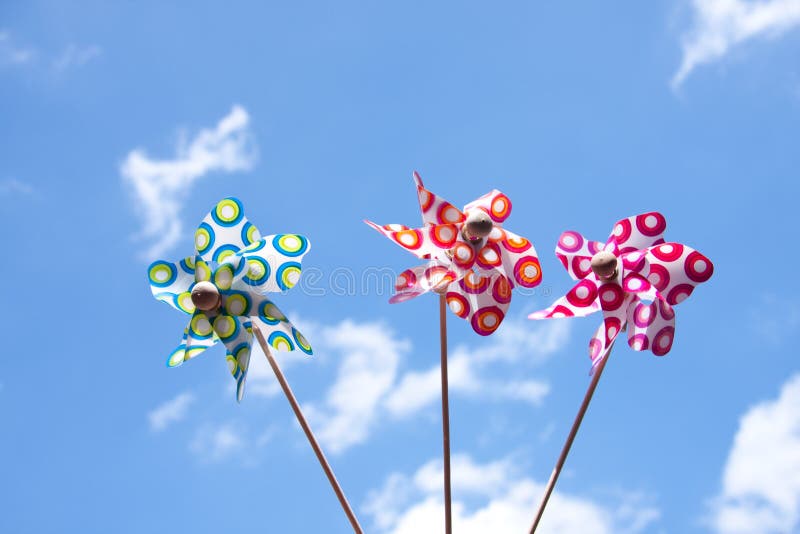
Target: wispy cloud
(761, 484)
(160, 185)
(212, 443)
(75, 56)
(12, 186)
(720, 25)
(12, 53)
(503, 501)
(172, 411)
(370, 386)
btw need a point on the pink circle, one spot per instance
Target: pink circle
(659, 276)
(611, 296)
(644, 315)
(666, 311)
(583, 294)
(698, 268)
(622, 231)
(651, 224)
(663, 341)
(679, 293)
(570, 241)
(632, 261)
(613, 327)
(639, 342)
(582, 266)
(595, 346)
(668, 252)
(501, 290)
(405, 280)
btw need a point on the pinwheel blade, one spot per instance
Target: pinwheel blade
(237, 335)
(495, 203)
(675, 270)
(272, 264)
(417, 281)
(279, 332)
(436, 210)
(579, 301)
(651, 326)
(224, 231)
(638, 232)
(197, 337)
(426, 242)
(481, 299)
(172, 283)
(614, 302)
(518, 259)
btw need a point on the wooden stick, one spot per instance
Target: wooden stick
(572, 433)
(309, 434)
(448, 521)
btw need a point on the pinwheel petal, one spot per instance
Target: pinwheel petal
(481, 299)
(518, 259)
(197, 337)
(224, 231)
(675, 270)
(495, 203)
(614, 322)
(272, 264)
(651, 326)
(237, 335)
(575, 253)
(639, 232)
(579, 301)
(417, 281)
(172, 283)
(278, 331)
(436, 210)
(429, 241)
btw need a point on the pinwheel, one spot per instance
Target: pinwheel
(223, 288)
(635, 279)
(473, 264)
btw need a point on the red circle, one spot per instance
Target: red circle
(501, 290)
(470, 285)
(461, 300)
(589, 290)
(485, 262)
(644, 315)
(576, 266)
(521, 274)
(639, 342)
(679, 293)
(517, 244)
(662, 342)
(659, 276)
(611, 296)
(624, 231)
(486, 320)
(695, 259)
(570, 241)
(653, 229)
(414, 235)
(668, 252)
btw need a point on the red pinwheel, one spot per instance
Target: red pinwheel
(635, 278)
(473, 260)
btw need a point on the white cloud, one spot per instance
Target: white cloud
(172, 411)
(215, 443)
(13, 186)
(516, 338)
(506, 503)
(722, 24)
(369, 385)
(160, 186)
(761, 484)
(10, 53)
(75, 56)
(370, 358)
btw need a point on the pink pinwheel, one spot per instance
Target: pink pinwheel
(473, 260)
(635, 265)
(635, 278)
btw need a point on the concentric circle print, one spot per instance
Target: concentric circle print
(486, 320)
(162, 273)
(228, 212)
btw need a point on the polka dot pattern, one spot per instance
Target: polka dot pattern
(436, 210)
(224, 231)
(170, 283)
(495, 203)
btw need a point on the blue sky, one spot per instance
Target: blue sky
(315, 116)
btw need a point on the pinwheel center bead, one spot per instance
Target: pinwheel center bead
(477, 226)
(205, 296)
(604, 265)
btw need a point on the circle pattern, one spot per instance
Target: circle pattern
(228, 212)
(486, 320)
(226, 327)
(528, 271)
(257, 271)
(679, 293)
(501, 208)
(622, 231)
(238, 303)
(410, 239)
(162, 273)
(474, 283)
(651, 224)
(583, 294)
(203, 238)
(489, 256)
(183, 301)
(200, 327)
(644, 315)
(301, 341)
(223, 276)
(291, 245)
(570, 241)
(443, 235)
(501, 290)
(639, 342)
(662, 342)
(448, 213)
(270, 314)
(658, 276)
(698, 268)
(280, 341)
(250, 234)
(288, 275)
(463, 255)
(668, 252)
(611, 296)
(458, 304)
(516, 244)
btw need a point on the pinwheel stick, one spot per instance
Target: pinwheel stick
(570, 438)
(448, 521)
(309, 434)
